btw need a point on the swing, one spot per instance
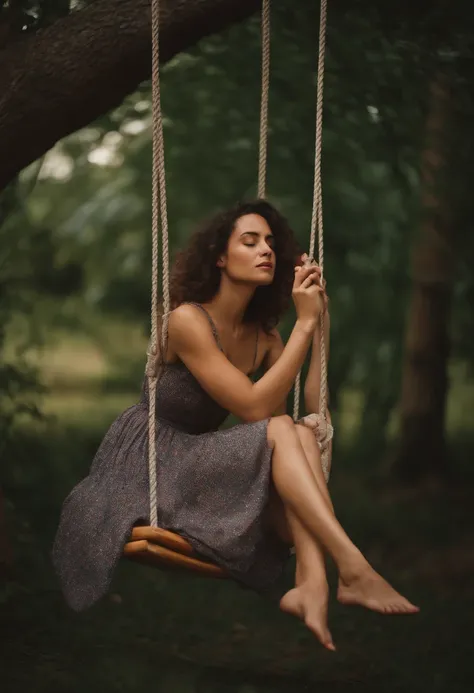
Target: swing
(152, 545)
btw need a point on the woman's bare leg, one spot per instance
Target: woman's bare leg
(313, 455)
(308, 600)
(299, 491)
(310, 563)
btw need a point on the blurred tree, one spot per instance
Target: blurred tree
(422, 445)
(32, 269)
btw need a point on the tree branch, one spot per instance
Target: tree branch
(58, 80)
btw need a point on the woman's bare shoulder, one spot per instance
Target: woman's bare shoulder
(186, 324)
(192, 316)
(185, 315)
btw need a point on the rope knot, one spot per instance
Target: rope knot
(324, 432)
(322, 429)
(151, 362)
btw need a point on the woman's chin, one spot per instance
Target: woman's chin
(264, 277)
(264, 281)
(256, 281)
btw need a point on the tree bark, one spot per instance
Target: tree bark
(422, 446)
(61, 78)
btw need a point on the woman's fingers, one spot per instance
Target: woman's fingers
(301, 273)
(309, 281)
(313, 278)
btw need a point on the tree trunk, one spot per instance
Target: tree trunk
(5, 548)
(422, 446)
(59, 79)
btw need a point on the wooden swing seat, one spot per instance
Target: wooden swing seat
(160, 548)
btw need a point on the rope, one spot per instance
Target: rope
(159, 209)
(160, 213)
(263, 139)
(317, 222)
(317, 227)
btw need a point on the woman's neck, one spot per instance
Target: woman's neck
(230, 303)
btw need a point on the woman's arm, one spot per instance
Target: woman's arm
(191, 339)
(274, 351)
(313, 379)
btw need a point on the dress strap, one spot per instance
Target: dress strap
(211, 322)
(216, 333)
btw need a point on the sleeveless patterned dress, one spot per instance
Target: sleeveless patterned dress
(212, 489)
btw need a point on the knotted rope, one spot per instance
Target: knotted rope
(263, 139)
(318, 422)
(159, 213)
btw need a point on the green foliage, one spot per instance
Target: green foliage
(32, 273)
(16, 379)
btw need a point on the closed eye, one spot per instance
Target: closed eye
(270, 240)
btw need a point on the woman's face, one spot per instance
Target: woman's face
(250, 255)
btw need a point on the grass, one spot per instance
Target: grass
(171, 633)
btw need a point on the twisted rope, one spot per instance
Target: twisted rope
(159, 212)
(263, 139)
(159, 209)
(317, 227)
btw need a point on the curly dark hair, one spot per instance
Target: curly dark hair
(196, 277)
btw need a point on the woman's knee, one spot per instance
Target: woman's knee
(311, 447)
(279, 426)
(305, 434)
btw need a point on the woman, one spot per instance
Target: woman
(244, 495)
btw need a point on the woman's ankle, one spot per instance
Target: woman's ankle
(353, 567)
(311, 580)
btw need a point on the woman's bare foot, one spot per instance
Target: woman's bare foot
(369, 589)
(310, 604)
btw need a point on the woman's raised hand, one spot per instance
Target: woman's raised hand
(308, 294)
(305, 259)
